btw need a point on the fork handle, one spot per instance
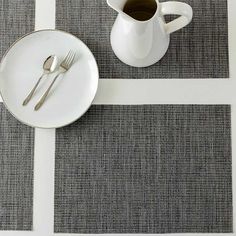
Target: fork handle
(43, 98)
(28, 98)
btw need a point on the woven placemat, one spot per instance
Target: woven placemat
(145, 169)
(198, 51)
(16, 19)
(16, 173)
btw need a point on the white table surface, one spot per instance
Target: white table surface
(115, 91)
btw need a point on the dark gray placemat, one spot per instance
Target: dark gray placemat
(16, 173)
(16, 149)
(197, 51)
(145, 169)
(16, 19)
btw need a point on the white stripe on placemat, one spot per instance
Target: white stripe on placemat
(45, 12)
(44, 181)
(233, 138)
(162, 91)
(44, 146)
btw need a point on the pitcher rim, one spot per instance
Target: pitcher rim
(142, 21)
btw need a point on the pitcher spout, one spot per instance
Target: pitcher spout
(117, 5)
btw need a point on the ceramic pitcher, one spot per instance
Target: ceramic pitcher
(140, 36)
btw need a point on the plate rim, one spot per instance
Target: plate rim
(35, 32)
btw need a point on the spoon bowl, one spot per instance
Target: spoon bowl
(49, 66)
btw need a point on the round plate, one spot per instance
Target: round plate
(72, 93)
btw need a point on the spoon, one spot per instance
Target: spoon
(49, 66)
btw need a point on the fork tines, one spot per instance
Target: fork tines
(67, 62)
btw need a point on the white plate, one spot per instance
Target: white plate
(72, 94)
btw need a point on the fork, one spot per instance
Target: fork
(63, 68)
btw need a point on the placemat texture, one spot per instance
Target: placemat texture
(145, 169)
(198, 51)
(16, 173)
(16, 19)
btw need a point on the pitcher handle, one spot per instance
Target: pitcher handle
(177, 8)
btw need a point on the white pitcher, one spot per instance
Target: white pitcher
(140, 36)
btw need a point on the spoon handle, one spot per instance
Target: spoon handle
(43, 98)
(28, 98)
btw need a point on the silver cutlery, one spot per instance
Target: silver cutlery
(64, 67)
(49, 66)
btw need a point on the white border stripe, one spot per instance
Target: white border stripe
(233, 132)
(161, 91)
(232, 37)
(43, 210)
(26, 233)
(45, 14)
(44, 156)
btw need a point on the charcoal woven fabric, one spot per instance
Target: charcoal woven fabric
(16, 19)
(145, 169)
(16, 173)
(198, 51)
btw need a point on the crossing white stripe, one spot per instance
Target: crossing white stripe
(44, 181)
(44, 155)
(146, 91)
(233, 131)
(45, 14)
